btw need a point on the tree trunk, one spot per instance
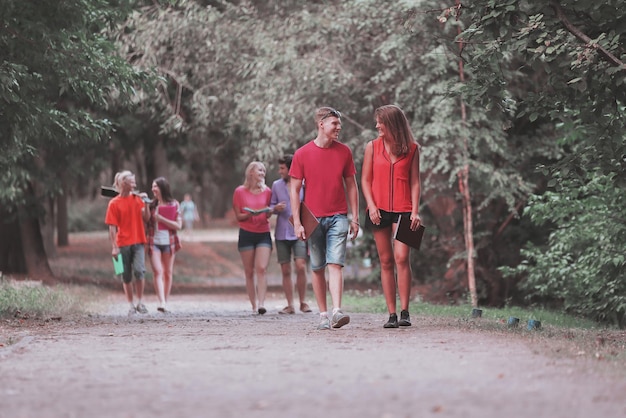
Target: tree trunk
(161, 163)
(33, 250)
(154, 159)
(62, 225)
(468, 230)
(22, 250)
(463, 177)
(48, 227)
(11, 255)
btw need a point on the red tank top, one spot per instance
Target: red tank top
(391, 182)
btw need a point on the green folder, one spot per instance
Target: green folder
(118, 264)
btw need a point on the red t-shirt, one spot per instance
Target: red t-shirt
(391, 182)
(125, 213)
(244, 198)
(323, 171)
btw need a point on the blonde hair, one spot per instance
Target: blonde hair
(326, 112)
(248, 182)
(120, 177)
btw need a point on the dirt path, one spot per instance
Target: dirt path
(213, 358)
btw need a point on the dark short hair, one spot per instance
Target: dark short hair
(286, 159)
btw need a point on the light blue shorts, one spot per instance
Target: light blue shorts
(327, 244)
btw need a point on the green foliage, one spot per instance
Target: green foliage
(85, 215)
(576, 84)
(240, 80)
(572, 54)
(583, 265)
(58, 71)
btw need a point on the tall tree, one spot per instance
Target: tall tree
(58, 70)
(574, 53)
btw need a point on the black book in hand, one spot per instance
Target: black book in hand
(404, 233)
(106, 191)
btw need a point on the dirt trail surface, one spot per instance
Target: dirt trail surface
(211, 357)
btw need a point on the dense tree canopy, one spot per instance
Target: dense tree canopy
(541, 133)
(58, 72)
(559, 68)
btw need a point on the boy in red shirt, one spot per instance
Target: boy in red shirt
(125, 217)
(326, 166)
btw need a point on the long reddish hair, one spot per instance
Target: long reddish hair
(397, 126)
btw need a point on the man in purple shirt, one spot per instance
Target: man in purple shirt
(286, 241)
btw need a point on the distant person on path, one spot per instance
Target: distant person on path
(163, 242)
(251, 207)
(390, 181)
(190, 214)
(287, 244)
(125, 216)
(326, 167)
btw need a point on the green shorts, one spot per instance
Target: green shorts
(133, 257)
(284, 249)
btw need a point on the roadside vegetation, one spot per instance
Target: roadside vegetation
(31, 299)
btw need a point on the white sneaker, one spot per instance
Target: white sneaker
(340, 319)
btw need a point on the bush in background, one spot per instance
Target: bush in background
(86, 215)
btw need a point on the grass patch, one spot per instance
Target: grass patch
(374, 302)
(32, 299)
(364, 302)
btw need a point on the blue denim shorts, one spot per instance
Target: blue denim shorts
(134, 259)
(251, 240)
(162, 248)
(327, 244)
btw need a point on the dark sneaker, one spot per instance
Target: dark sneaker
(141, 308)
(405, 319)
(340, 319)
(393, 321)
(324, 323)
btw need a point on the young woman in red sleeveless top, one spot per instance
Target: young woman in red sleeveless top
(390, 182)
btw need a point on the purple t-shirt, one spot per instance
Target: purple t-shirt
(280, 193)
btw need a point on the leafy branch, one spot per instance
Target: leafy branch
(560, 14)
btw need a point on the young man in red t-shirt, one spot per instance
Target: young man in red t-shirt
(326, 166)
(125, 217)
